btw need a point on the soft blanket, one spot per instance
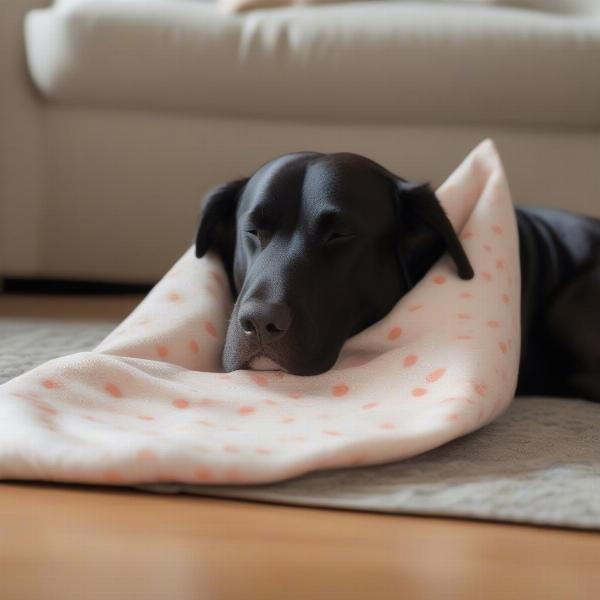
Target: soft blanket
(151, 404)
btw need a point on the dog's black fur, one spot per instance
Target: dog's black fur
(320, 246)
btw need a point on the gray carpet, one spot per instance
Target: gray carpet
(539, 463)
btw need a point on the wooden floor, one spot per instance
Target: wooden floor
(60, 542)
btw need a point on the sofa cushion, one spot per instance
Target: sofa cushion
(361, 61)
(557, 6)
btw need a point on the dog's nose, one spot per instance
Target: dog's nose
(265, 320)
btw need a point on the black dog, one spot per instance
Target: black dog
(320, 246)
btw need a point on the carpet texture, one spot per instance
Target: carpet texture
(538, 463)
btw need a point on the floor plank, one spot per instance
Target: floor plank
(67, 307)
(60, 542)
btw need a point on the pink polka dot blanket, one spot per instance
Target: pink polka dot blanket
(151, 402)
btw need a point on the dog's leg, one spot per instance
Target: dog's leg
(574, 322)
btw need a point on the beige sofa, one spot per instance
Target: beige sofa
(117, 115)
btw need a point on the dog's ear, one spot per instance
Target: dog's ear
(217, 222)
(418, 206)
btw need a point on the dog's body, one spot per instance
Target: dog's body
(560, 278)
(319, 247)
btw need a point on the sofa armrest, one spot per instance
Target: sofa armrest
(20, 146)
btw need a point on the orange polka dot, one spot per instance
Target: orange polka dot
(464, 316)
(181, 403)
(246, 410)
(369, 405)
(497, 229)
(410, 360)
(145, 418)
(503, 347)
(112, 477)
(439, 279)
(466, 295)
(435, 375)
(480, 388)
(466, 235)
(387, 426)
(50, 384)
(340, 389)
(332, 433)
(487, 276)
(414, 307)
(145, 456)
(210, 328)
(394, 333)
(487, 248)
(113, 390)
(203, 474)
(295, 395)
(193, 346)
(493, 324)
(419, 392)
(506, 298)
(500, 265)
(271, 402)
(259, 379)
(162, 351)
(173, 297)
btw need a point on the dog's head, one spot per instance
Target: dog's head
(317, 248)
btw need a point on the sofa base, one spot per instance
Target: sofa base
(121, 191)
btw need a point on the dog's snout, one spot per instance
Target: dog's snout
(264, 320)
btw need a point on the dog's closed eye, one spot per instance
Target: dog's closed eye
(338, 236)
(258, 236)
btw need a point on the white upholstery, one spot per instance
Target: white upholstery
(123, 189)
(104, 162)
(372, 61)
